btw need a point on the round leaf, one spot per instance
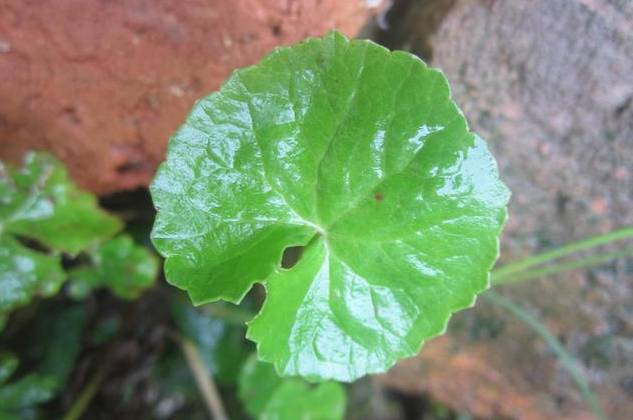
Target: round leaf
(360, 156)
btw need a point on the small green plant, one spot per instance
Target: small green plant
(41, 207)
(44, 218)
(46, 224)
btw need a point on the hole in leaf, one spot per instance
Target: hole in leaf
(254, 299)
(291, 256)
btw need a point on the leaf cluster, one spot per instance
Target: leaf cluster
(51, 232)
(45, 221)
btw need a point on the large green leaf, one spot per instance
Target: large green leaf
(266, 396)
(359, 155)
(119, 264)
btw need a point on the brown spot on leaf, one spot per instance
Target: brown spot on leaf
(378, 197)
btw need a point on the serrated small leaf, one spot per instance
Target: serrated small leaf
(119, 264)
(360, 156)
(266, 396)
(40, 202)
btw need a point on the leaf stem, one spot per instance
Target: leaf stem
(501, 275)
(203, 378)
(566, 359)
(87, 394)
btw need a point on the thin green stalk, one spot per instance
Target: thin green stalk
(87, 394)
(513, 268)
(583, 262)
(566, 359)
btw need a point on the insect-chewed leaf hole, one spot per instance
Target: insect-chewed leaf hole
(291, 256)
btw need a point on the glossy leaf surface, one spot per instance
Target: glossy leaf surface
(359, 155)
(119, 264)
(267, 396)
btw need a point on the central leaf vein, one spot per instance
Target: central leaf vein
(343, 119)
